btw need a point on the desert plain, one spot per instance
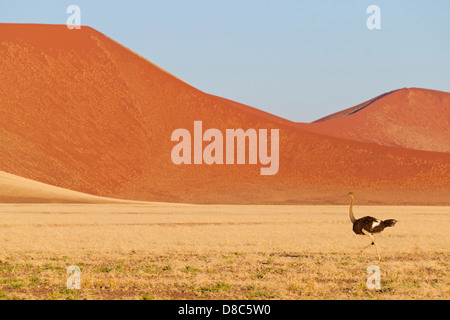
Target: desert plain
(176, 251)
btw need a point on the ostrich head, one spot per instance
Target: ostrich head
(350, 194)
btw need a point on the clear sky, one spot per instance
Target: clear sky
(300, 60)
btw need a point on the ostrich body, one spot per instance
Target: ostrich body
(368, 226)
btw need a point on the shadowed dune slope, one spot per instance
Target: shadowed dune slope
(409, 118)
(82, 112)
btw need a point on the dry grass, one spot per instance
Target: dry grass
(130, 251)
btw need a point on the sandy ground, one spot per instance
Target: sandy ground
(158, 251)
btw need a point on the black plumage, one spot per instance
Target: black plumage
(372, 225)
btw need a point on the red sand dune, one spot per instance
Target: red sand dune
(409, 118)
(80, 111)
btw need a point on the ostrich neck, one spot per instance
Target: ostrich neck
(350, 211)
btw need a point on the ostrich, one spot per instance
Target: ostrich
(368, 225)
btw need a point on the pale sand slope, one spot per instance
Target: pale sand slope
(15, 189)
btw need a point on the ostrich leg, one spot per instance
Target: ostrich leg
(373, 243)
(362, 250)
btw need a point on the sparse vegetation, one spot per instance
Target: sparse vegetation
(218, 286)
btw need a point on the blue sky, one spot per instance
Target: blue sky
(300, 60)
